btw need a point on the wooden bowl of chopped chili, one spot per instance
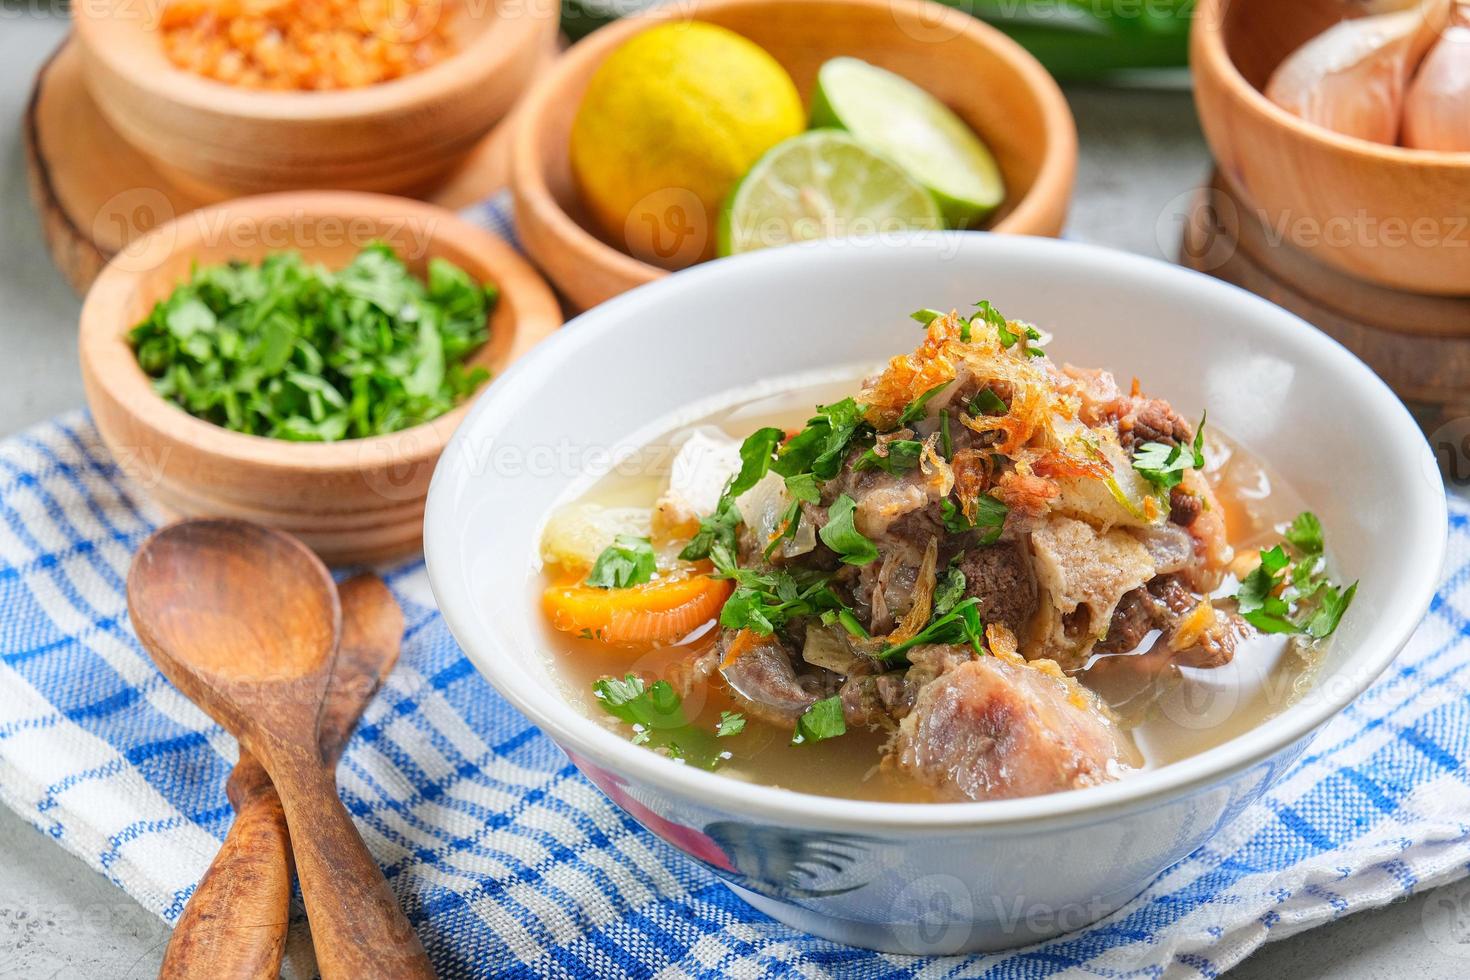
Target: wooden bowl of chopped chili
(307, 424)
(229, 99)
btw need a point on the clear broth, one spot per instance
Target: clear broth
(1170, 712)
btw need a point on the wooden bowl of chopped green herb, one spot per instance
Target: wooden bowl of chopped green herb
(300, 360)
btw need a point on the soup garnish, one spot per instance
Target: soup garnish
(977, 578)
(291, 350)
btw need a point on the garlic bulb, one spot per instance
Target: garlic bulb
(1437, 108)
(1351, 78)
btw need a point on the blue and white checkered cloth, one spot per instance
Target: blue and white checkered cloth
(510, 864)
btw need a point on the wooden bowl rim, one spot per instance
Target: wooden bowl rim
(488, 54)
(528, 169)
(536, 316)
(1207, 53)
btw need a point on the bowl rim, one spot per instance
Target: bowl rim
(487, 54)
(1207, 51)
(113, 367)
(578, 735)
(528, 168)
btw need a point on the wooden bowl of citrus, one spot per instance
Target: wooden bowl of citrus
(353, 499)
(703, 129)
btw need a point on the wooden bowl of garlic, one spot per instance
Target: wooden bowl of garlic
(1346, 125)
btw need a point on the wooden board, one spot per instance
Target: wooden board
(1419, 344)
(94, 194)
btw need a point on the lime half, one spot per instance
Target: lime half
(894, 116)
(823, 184)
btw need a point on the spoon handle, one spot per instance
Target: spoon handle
(357, 926)
(234, 927)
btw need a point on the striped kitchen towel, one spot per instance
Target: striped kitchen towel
(510, 864)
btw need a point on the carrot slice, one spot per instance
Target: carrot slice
(656, 612)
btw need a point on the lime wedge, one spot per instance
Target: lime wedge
(892, 115)
(822, 184)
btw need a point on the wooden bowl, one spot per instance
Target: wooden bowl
(217, 141)
(990, 81)
(1396, 217)
(353, 501)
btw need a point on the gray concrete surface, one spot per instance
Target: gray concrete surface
(1141, 155)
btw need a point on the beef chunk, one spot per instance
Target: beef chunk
(1161, 605)
(1184, 507)
(1132, 620)
(1153, 420)
(999, 575)
(992, 728)
(763, 679)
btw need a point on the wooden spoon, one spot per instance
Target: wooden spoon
(234, 927)
(245, 620)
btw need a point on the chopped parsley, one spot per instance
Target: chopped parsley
(1289, 591)
(842, 536)
(949, 591)
(756, 453)
(961, 624)
(990, 517)
(628, 561)
(899, 456)
(715, 538)
(291, 350)
(987, 402)
(915, 409)
(821, 721)
(820, 447)
(1164, 465)
(766, 601)
(1024, 333)
(656, 713)
(731, 723)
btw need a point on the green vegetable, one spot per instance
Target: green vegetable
(949, 591)
(960, 624)
(657, 716)
(756, 454)
(926, 316)
(731, 723)
(843, 537)
(990, 517)
(946, 443)
(899, 456)
(767, 601)
(915, 409)
(1291, 593)
(821, 721)
(1023, 334)
(987, 402)
(715, 538)
(293, 351)
(1164, 465)
(628, 561)
(803, 487)
(820, 447)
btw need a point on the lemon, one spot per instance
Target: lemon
(670, 121)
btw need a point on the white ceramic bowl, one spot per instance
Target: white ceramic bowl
(941, 877)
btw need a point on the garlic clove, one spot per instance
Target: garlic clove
(1351, 78)
(1437, 107)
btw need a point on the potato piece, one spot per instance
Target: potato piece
(578, 533)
